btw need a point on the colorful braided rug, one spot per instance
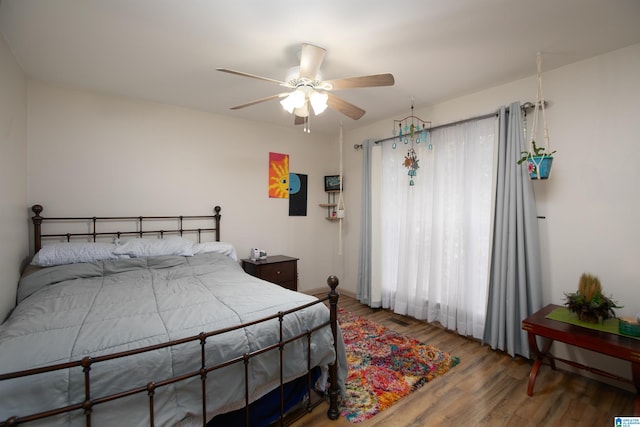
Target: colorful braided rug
(384, 366)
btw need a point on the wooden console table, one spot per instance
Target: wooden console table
(619, 346)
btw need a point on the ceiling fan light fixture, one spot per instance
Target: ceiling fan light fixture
(295, 99)
(302, 111)
(318, 101)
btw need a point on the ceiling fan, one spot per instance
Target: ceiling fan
(309, 92)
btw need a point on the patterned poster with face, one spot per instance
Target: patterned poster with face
(279, 175)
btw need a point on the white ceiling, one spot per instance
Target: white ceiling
(167, 50)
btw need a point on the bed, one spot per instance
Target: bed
(159, 325)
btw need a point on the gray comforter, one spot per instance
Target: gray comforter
(92, 309)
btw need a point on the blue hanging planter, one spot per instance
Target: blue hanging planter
(539, 167)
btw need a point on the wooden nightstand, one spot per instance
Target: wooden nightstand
(279, 269)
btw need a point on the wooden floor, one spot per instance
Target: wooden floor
(487, 388)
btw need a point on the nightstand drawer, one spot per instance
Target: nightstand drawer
(280, 272)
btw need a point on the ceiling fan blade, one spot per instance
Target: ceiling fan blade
(362, 81)
(311, 59)
(253, 76)
(258, 101)
(344, 107)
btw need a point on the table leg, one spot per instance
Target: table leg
(635, 374)
(540, 356)
(533, 375)
(545, 352)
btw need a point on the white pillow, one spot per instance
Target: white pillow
(73, 252)
(172, 245)
(218, 247)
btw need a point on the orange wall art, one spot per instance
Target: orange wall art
(279, 175)
(287, 185)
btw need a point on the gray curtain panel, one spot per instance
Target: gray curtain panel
(515, 288)
(363, 292)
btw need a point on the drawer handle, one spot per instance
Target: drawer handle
(277, 272)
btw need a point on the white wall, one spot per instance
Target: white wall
(95, 154)
(591, 201)
(13, 176)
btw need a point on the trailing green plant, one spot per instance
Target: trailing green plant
(537, 152)
(589, 303)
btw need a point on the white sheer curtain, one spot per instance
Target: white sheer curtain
(436, 235)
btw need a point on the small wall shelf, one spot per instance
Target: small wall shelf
(331, 205)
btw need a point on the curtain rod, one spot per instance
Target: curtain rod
(526, 106)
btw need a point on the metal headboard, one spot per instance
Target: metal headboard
(139, 223)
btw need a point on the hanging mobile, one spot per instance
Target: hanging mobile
(411, 125)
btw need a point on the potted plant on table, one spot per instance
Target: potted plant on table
(538, 160)
(588, 302)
